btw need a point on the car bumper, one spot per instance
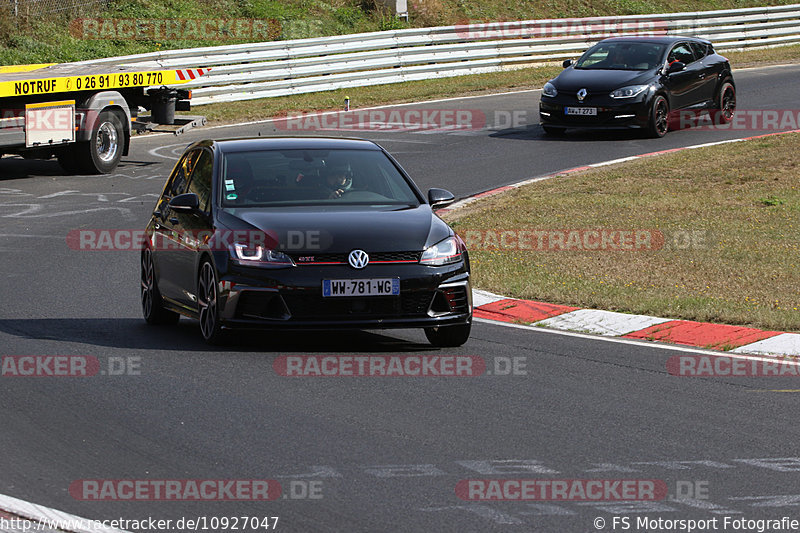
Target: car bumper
(610, 115)
(252, 297)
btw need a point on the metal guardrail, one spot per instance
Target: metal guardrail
(279, 68)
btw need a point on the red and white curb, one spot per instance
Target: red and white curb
(47, 519)
(735, 339)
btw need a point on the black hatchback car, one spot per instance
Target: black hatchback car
(638, 82)
(293, 232)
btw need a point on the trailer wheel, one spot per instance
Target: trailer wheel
(104, 150)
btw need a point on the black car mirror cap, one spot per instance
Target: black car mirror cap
(440, 197)
(186, 202)
(567, 63)
(675, 66)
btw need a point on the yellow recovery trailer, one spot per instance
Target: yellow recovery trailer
(83, 114)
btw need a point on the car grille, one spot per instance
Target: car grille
(260, 304)
(374, 257)
(314, 306)
(311, 305)
(457, 298)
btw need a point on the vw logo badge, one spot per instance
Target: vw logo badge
(358, 259)
(582, 94)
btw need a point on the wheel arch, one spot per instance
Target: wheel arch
(96, 104)
(725, 79)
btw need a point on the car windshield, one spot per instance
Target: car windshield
(312, 177)
(622, 56)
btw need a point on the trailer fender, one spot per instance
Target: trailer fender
(91, 108)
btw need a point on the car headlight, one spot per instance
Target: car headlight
(444, 252)
(259, 255)
(629, 92)
(549, 90)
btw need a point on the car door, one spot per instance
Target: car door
(710, 71)
(166, 238)
(683, 85)
(194, 227)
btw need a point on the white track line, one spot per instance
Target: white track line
(46, 516)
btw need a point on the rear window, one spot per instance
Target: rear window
(700, 50)
(310, 177)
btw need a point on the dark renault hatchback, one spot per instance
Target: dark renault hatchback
(646, 83)
(302, 233)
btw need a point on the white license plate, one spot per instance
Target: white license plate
(361, 287)
(592, 111)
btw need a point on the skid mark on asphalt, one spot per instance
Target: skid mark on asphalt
(170, 151)
(144, 177)
(100, 196)
(13, 192)
(40, 211)
(67, 202)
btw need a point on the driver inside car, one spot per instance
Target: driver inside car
(615, 59)
(338, 180)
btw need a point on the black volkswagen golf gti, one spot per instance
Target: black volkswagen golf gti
(293, 232)
(639, 82)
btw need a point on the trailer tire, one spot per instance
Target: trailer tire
(102, 153)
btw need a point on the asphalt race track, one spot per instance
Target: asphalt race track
(366, 454)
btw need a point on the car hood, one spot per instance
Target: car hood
(342, 229)
(572, 79)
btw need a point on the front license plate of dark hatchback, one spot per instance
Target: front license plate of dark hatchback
(590, 111)
(361, 287)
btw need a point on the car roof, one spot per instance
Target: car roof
(665, 39)
(289, 143)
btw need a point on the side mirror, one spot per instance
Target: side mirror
(185, 203)
(440, 197)
(676, 66)
(567, 63)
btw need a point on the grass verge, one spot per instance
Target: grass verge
(32, 31)
(729, 215)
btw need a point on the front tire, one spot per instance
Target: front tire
(448, 336)
(726, 104)
(659, 117)
(210, 325)
(152, 304)
(102, 153)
